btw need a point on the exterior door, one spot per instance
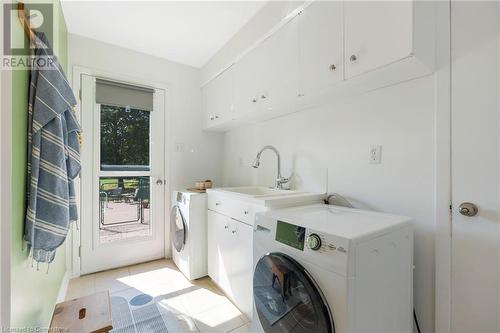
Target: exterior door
(475, 259)
(123, 183)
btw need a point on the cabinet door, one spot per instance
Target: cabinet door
(280, 89)
(249, 74)
(377, 33)
(242, 266)
(320, 46)
(218, 99)
(219, 249)
(213, 245)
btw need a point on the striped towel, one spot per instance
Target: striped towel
(53, 156)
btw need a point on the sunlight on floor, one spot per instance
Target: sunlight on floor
(195, 306)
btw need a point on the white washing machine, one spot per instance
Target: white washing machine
(188, 233)
(324, 268)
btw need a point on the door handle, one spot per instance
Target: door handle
(468, 209)
(159, 182)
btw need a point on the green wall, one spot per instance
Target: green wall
(33, 292)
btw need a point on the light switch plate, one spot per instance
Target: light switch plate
(179, 147)
(375, 154)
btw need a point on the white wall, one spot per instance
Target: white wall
(202, 150)
(338, 136)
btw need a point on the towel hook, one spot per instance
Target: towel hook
(25, 22)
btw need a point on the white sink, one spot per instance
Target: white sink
(258, 191)
(268, 197)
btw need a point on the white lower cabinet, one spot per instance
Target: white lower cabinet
(230, 258)
(242, 266)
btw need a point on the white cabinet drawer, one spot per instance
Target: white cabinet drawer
(235, 209)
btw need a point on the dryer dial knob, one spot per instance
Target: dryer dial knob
(314, 242)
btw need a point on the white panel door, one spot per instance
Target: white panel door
(475, 283)
(377, 33)
(123, 182)
(320, 46)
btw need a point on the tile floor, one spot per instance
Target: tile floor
(198, 306)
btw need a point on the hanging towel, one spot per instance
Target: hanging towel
(53, 156)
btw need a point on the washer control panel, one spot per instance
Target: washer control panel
(327, 251)
(325, 243)
(314, 242)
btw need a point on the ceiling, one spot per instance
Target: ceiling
(188, 32)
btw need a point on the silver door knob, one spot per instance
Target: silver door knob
(353, 58)
(468, 209)
(159, 182)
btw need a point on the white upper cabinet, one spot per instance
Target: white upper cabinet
(320, 47)
(389, 41)
(218, 100)
(330, 49)
(250, 74)
(281, 88)
(377, 33)
(266, 78)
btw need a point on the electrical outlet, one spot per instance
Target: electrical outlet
(179, 147)
(375, 154)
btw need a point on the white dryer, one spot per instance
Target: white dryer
(323, 269)
(188, 233)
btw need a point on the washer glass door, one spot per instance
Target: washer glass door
(287, 299)
(177, 228)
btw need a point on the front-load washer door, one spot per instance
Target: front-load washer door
(287, 299)
(177, 228)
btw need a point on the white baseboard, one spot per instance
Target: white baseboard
(63, 289)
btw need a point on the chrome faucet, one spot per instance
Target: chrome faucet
(279, 179)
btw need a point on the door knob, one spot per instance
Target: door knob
(468, 209)
(159, 182)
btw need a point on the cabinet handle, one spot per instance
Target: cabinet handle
(353, 58)
(263, 96)
(245, 212)
(254, 100)
(233, 231)
(216, 117)
(226, 227)
(332, 67)
(211, 117)
(217, 203)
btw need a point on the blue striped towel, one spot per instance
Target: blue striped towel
(53, 156)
